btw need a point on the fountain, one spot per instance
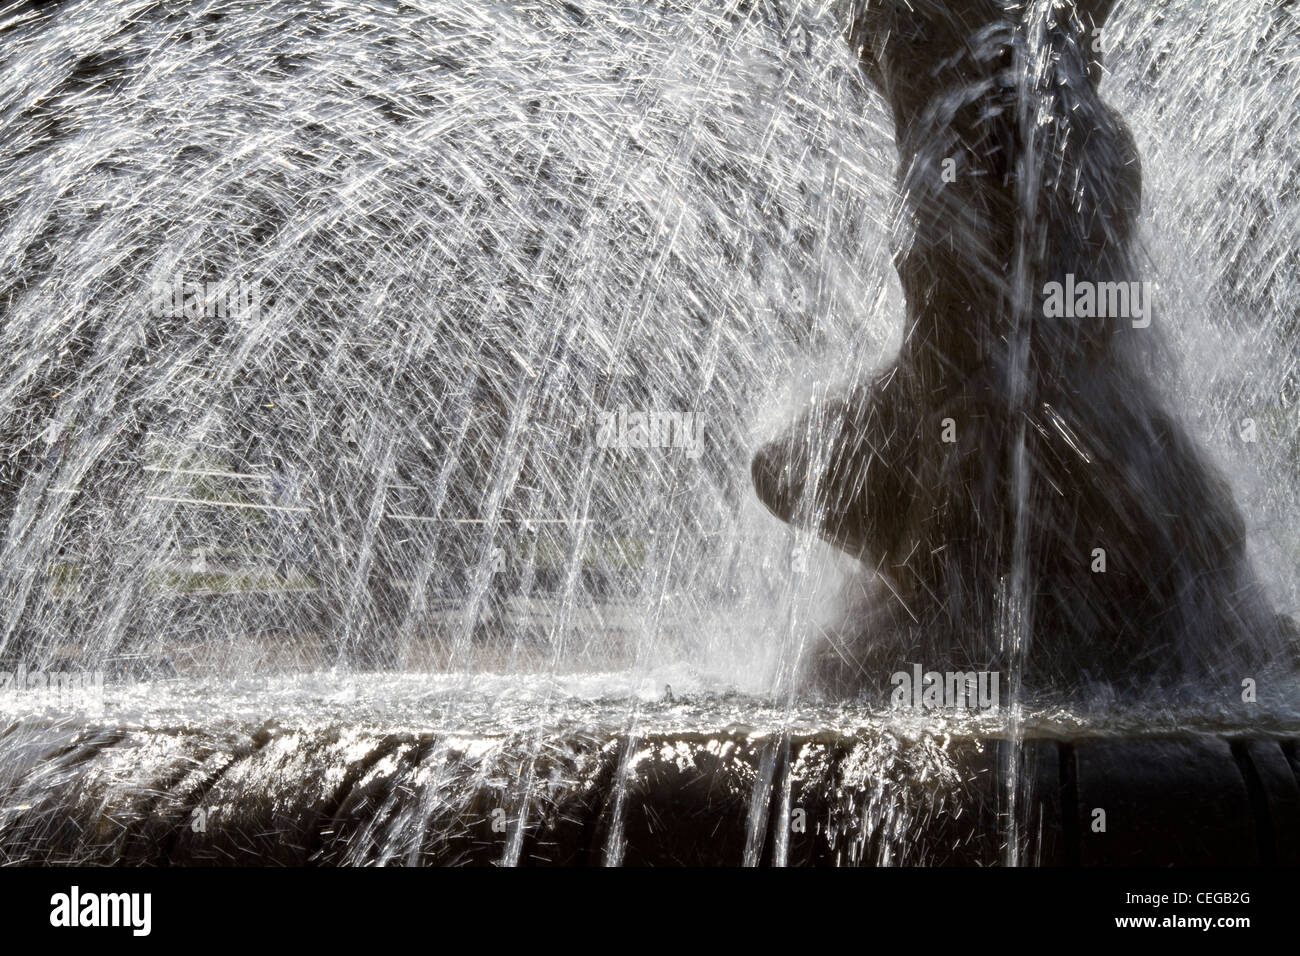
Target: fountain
(380, 383)
(1013, 463)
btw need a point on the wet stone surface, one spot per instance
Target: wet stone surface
(339, 794)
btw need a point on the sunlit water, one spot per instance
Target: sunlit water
(471, 231)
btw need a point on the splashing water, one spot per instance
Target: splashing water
(473, 231)
(326, 326)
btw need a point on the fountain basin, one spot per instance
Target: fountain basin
(566, 791)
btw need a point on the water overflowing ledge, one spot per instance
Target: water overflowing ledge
(686, 786)
(437, 336)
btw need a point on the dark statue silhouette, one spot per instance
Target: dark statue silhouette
(1002, 440)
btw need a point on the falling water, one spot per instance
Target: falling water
(321, 327)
